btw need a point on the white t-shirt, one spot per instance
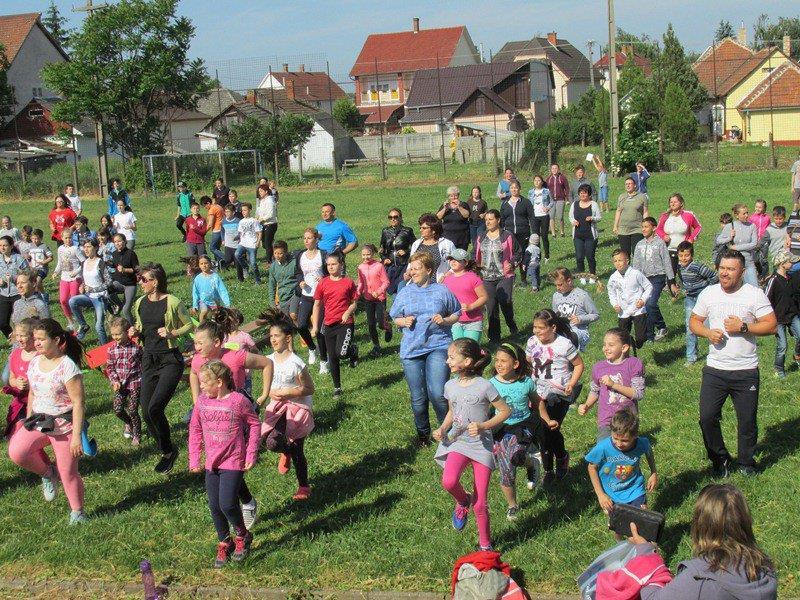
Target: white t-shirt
(249, 229)
(122, 223)
(552, 367)
(50, 396)
(38, 254)
(285, 375)
(536, 197)
(796, 174)
(675, 228)
(75, 203)
(312, 272)
(736, 352)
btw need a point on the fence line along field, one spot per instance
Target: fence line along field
(378, 518)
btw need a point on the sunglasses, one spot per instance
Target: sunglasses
(394, 217)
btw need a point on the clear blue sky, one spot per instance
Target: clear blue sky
(242, 38)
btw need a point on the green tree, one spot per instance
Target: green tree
(346, 113)
(56, 24)
(601, 114)
(282, 134)
(768, 33)
(637, 94)
(678, 122)
(643, 45)
(673, 67)
(724, 30)
(6, 91)
(130, 70)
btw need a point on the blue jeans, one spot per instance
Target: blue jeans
(474, 232)
(781, 342)
(426, 376)
(78, 303)
(691, 339)
(533, 274)
(216, 245)
(251, 261)
(655, 320)
(750, 274)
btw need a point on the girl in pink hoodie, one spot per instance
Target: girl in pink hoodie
(372, 285)
(760, 218)
(226, 427)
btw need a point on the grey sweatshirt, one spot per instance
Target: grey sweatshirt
(776, 237)
(651, 257)
(579, 303)
(694, 581)
(743, 235)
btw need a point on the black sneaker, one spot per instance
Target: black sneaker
(722, 470)
(337, 392)
(387, 334)
(375, 352)
(354, 361)
(747, 471)
(511, 513)
(167, 462)
(423, 440)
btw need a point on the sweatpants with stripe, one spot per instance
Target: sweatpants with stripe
(340, 343)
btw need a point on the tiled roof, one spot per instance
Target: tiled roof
(731, 62)
(374, 117)
(14, 29)
(407, 51)
(217, 100)
(781, 89)
(622, 58)
(310, 86)
(563, 55)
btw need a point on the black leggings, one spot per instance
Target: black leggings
(222, 489)
(6, 306)
(541, 226)
(304, 309)
(500, 298)
(161, 374)
(376, 311)
(276, 441)
(340, 343)
(267, 237)
(179, 224)
(553, 439)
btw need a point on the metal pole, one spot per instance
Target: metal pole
(330, 104)
(494, 114)
(590, 43)
(771, 120)
(380, 121)
(20, 168)
(716, 100)
(441, 117)
(612, 74)
(275, 119)
(75, 164)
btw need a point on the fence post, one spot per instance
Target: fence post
(224, 170)
(174, 174)
(772, 151)
(300, 161)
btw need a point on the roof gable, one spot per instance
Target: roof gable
(309, 86)
(569, 60)
(622, 58)
(730, 62)
(216, 100)
(457, 83)
(407, 50)
(779, 89)
(15, 29)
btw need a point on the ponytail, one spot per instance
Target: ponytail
(562, 326)
(471, 349)
(67, 342)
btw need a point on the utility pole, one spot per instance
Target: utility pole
(591, 43)
(612, 74)
(100, 140)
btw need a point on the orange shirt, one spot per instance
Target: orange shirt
(215, 214)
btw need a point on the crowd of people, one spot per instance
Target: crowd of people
(436, 289)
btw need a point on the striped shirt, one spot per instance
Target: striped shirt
(695, 277)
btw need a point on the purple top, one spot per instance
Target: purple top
(630, 373)
(218, 426)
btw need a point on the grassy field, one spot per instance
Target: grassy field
(378, 518)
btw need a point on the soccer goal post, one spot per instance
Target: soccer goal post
(199, 169)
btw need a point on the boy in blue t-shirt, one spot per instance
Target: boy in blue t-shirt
(615, 464)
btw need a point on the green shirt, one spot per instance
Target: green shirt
(281, 278)
(185, 202)
(631, 212)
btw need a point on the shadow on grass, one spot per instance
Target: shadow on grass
(330, 419)
(156, 492)
(780, 440)
(652, 434)
(664, 358)
(385, 380)
(108, 460)
(673, 493)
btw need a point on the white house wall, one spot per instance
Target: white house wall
(25, 72)
(183, 135)
(464, 54)
(317, 152)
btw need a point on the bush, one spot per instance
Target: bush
(634, 144)
(536, 141)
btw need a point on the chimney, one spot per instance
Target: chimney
(742, 36)
(415, 25)
(289, 89)
(302, 68)
(787, 45)
(286, 67)
(552, 37)
(251, 97)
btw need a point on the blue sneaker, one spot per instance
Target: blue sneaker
(460, 514)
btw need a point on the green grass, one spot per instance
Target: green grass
(379, 518)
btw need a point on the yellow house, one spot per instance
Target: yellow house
(774, 106)
(737, 78)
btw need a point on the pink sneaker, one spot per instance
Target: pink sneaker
(303, 493)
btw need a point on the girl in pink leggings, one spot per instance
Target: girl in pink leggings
(54, 415)
(465, 436)
(68, 268)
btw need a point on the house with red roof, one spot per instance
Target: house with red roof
(314, 88)
(385, 67)
(623, 56)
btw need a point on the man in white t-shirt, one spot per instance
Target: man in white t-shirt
(736, 312)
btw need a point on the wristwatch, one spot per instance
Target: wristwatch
(744, 328)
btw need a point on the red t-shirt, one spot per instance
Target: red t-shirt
(196, 228)
(234, 359)
(61, 219)
(336, 297)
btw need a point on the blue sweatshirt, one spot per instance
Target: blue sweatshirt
(210, 290)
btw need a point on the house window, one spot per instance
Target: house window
(35, 113)
(480, 105)
(381, 87)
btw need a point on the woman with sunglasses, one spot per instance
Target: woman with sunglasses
(160, 321)
(395, 248)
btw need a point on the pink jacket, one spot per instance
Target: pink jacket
(218, 426)
(299, 419)
(692, 224)
(511, 252)
(626, 583)
(372, 276)
(761, 222)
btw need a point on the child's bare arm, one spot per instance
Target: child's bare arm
(605, 501)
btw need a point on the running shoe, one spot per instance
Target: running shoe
(460, 514)
(50, 484)
(511, 513)
(126, 432)
(303, 493)
(660, 334)
(284, 464)
(337, 392)
(387, 334)
(250, 514)
(167, 462)
(76, 517)
(323, 368)
(224, 550)
(312, 357)
(82, 331)
(562, 466)
(242, 546)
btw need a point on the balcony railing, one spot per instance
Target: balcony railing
(371, 97)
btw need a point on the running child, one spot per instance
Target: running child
(465, 282)
(250, 232)
(288, 418)
(615, 465)
(230, 233)
(762, 221)
(7, 229)
(224, 426)
(196, 228)
(125, 223)
(760, 218)
(695, 277)
(25, 243)
(465, 435)
(783, 291)
(310, 268)
(573, 304)
(39, 257)
(124, 371)
(602, 183)
(651, 257)
(208, 290)
(68, 271)
(282, 280)
(557, 367)
(372, 285)
(521, 432)
(617, 382)
(29, 304)
(16, 383)
(628, 291)
(532, 261)
(335, 303)
(723, 239)
(185, 199)
(776, 232)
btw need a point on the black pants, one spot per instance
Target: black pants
(522, 242)
(541, 227)
(673, 258)
(276, 441)
(395, 275)
(552, 439)
(129, 292)
(639, 323)
(6, 305)
(628, 242)
(304, 309)
(230, 259)
(340, 343)
(585, 251)
(222, 489)
(500, 298)
(267, 238)
(161, 374)
(179, 221)
(376, 310)
(742, 386)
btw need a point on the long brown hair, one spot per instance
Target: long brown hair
(722, 532)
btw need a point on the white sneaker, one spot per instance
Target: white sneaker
(323, 368)
(660, 334)
(77, 516)
(249, 514)
(312, 357)
(50, 485)
(126, 432)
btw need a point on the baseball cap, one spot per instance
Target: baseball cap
(459, 255)
(784, 256)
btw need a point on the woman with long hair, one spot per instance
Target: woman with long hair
(310, 269)
(61, 217)
(11, 265)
